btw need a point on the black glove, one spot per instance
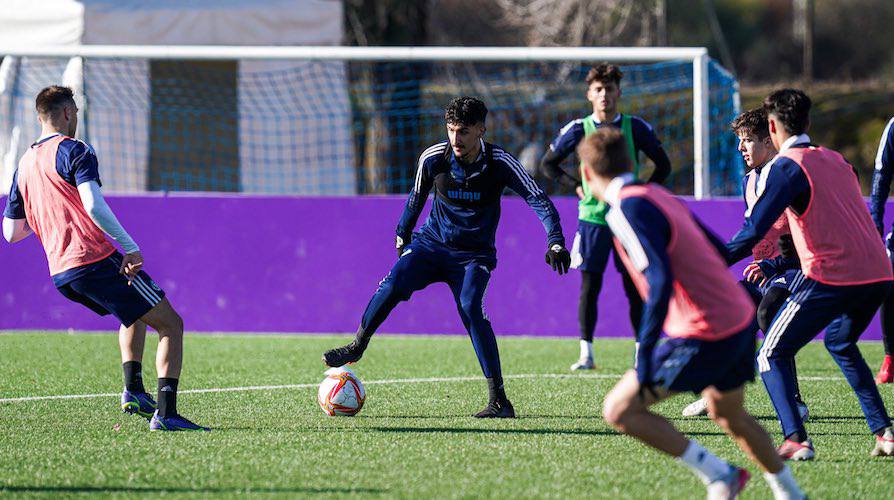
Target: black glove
(400, 243)
(787, 247)
(558, 258)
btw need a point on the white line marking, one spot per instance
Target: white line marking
(606, 376)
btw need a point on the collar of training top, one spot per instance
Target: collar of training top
(614, 188)
(793, 141)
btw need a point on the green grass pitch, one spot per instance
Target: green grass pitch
(414, 438)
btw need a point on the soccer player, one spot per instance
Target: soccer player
(56, 195)
(752, 130)
(845, 272)
(707, 315)
(592, 243)
(881, 186)
(456, 243)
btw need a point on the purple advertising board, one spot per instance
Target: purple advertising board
(310, 264)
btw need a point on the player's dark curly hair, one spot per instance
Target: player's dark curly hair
(752, 122)
(52, 99)
(791, 107)
(466, 111)
(605, 152)
(604, 73)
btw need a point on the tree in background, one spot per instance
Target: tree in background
(386, 147)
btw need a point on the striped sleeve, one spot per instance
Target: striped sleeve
(422, 184)
(881, 179)
(518, 180)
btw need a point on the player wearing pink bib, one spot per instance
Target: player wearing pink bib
(845, 271)
(769, 292)
(707, 315)
(56, 195)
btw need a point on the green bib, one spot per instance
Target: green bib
(590, 209)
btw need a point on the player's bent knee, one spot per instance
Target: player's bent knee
(835, 346)
(617, 408)
(164, 319)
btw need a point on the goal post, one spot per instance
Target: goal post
(78, 58)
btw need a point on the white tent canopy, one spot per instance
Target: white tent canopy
(121, 136)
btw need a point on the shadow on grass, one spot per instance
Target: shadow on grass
(478, 430)
(816, 418)
(198, 489)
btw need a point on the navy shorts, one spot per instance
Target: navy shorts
(103, 290)
(682, 365)
(591, 248)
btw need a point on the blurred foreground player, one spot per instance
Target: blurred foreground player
(845, 272)
(707, 315)
(56, 195)
(881, 186)
(456, 243)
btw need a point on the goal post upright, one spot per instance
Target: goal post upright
(697, 55)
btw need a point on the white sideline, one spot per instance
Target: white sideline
(371, 382)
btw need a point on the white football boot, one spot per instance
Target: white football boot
(697, 408)
(583, 364)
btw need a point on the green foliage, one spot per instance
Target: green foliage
(413, 440)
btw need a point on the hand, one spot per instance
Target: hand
(131, 264)
(400, 244)
(754, 274)
(580, 192)
(558, 258)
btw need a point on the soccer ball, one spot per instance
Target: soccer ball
(341, 393)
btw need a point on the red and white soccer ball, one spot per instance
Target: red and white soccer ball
(341, 393)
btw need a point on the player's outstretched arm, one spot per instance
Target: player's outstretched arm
(881, 179)
(15, 226)
(784, 182)
(518, 180)
(644, 232)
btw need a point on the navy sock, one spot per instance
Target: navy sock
(167, 397)
(133, 376)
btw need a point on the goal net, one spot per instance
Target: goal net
(350, 120)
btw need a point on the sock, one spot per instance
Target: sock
(361, 338)
(586, 349)
(886, 433)
(167, 397)
(495, 389)
(133, 376)
(707, 466)
(783, 484)
(797, 436)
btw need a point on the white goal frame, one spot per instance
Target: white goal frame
(698, 56)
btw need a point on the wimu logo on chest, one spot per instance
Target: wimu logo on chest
(460, 194)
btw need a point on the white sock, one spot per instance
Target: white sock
(783, 484)
(707, 466)
(586, 349)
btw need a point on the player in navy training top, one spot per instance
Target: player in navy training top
(592, 243)
(881, 186)
(456, 243)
